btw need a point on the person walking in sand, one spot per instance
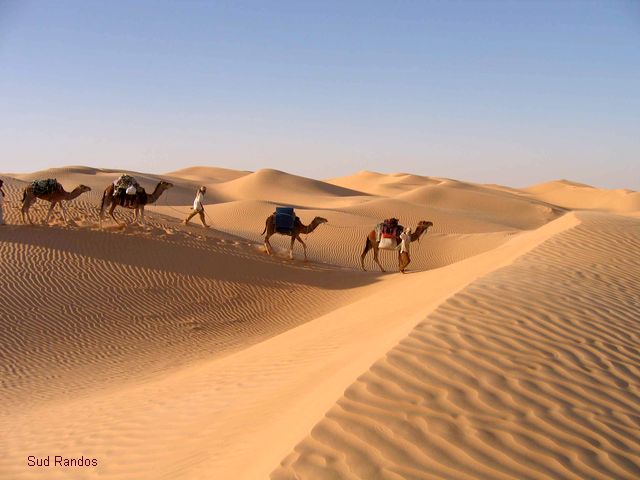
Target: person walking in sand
(198, 209)
(1, 203)
(405, 241)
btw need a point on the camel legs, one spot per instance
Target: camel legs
(65, 213)
(51, 206)
(269, 248)
(26, 205)
(103, 205)
(375, 257)
(267, 245)
(368, 246)
(140, 215)
(304, 246)
(113, 207)
(293, 239)
(62, 207)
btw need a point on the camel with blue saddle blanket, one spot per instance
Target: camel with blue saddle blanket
(285, 222)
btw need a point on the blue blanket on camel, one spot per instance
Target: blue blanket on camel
(285, 219)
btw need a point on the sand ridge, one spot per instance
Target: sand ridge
(577, 195)
(533, 371)
(245, 394)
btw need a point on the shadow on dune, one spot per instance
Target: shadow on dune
(208, 258)
(129, 306)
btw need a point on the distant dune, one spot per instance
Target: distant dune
(274, 185)
(208, 175)
(510, 349)
(579, 196)
(382, 184)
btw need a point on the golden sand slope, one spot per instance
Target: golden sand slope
(207, 175)
(380, 184)
(533, 371)
(83, 308)
(177, 352)
(255, 403)
(576, 195)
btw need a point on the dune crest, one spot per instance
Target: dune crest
(526, 373)
(208, 175)
(580, 196)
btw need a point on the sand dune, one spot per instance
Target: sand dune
(123, 305)
(487, 204)
(580, 196)
(381, 184)
(281, 187)
(207, 175)
(530, 372)
(99, 179)
(172, 351)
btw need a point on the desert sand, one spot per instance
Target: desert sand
(510, 349)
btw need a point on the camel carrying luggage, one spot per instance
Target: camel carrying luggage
(285, 219)
(125, 188)
(45, 187)
(387, 234)
(387, 243)
(125, 185)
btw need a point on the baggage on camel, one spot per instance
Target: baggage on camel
(45, 187)
(387, 234)
(285, 219)
(125, 189)
(285, 222)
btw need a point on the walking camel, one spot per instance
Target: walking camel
(298, 228)
(55, 195)
(141, 199)
(371, 243)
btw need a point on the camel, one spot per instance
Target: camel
(142, 198)
(371, 243)
(298, 228)
(55, 197)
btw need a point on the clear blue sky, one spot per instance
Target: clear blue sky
(504, 92)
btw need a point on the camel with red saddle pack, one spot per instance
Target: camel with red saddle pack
(386, 236)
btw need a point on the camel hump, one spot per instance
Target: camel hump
(45, 186)
(125, 181)
(389, 228)
(285, 219)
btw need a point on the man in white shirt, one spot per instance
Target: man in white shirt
(405, 241)
(198, 209)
